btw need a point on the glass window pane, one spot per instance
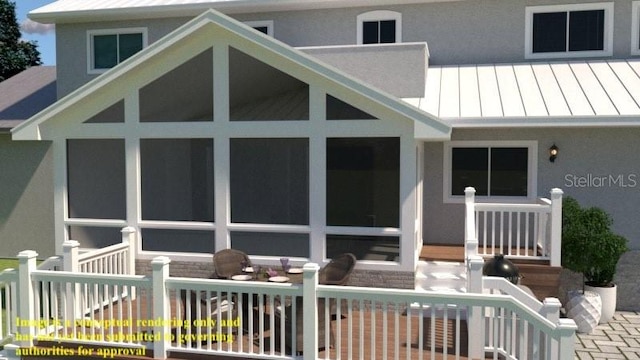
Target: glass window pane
(96, 178)
(177, 179)
(549, 32)
(387, 31)
(271, 244)
(363, 182)
(509, 171)
(182, 94)
(469, 167)
(370, 32)
(380, 248)
(270, 181)
(262, 29)
(95, 237)
(586, 30)
(192, 241)
(129, 45)
(105, 51)
(112, 114)
(340, 110)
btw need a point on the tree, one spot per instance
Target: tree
(15, 54)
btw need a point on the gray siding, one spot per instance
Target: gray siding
(457, 32)
(26, 197)
(591, 153)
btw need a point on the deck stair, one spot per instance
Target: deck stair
(441, 276)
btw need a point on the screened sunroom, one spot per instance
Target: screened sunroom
(217, 136)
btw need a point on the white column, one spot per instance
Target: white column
(317, 175)
(161, 307)
(556, 227)
(70, 263)
(27, 264)
(475, 320)
(221, 143)
(470, 235)
(408, 203)
(129, 237)
(567, 329)
(310, 310)
(551, 311)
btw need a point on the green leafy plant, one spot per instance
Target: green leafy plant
(588, 245)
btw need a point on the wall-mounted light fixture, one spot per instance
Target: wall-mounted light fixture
(553, 153)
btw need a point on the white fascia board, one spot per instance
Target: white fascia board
(109, 10)
(546, 122)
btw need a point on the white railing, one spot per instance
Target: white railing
(267, 320)
(8, 304)
(113, 259)
(528, 231)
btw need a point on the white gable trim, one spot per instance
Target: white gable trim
(302, 65)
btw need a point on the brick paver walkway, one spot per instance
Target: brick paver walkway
(619, 339)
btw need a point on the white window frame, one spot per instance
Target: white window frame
(262, 23)
(635, 28)
(379, 15)
(608, 30)
(532, 170)
(92, 33)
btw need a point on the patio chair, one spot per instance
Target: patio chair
(198, 309)
(338, 270)
(229, 262)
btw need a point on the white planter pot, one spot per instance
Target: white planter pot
(608, 296)
(584, 309)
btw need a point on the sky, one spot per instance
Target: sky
(43, 34)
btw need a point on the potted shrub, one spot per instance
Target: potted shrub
(589, 247)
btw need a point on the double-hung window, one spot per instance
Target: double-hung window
(108, 48)
(379, 27)
(501, 170)
(577, 30)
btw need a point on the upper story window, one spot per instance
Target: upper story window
(264, 26)
(635, 28)
(501, 170)
(108, 48)
(577, 30)
(379, 27)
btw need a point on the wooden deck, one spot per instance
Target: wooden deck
(367, 328)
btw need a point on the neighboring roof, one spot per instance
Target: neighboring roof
(83, 10)
(576, 93)
(25, 94)
(196, 35)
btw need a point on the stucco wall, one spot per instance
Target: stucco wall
(26, 197)
(457, 32)
(587, 159)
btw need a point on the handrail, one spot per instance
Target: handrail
(94, 254)
(507, 288)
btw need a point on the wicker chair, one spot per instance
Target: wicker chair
(338, 270)
(228, 262)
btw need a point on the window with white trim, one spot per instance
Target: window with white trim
(264, 26)
(379, 27)
(635, 28)
(108, 48)
(577, 30)
(500, 170)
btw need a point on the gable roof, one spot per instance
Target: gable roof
(182, 43)
(84, 10)
(26, 93)
(573, 93)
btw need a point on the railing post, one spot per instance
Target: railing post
(556, 227)
(161, 307)
(70, 264)
(27, 264)
(567, 330)
(310, 310)
(470, 236)
(551, 311)
(476, 321)
(129, 237)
